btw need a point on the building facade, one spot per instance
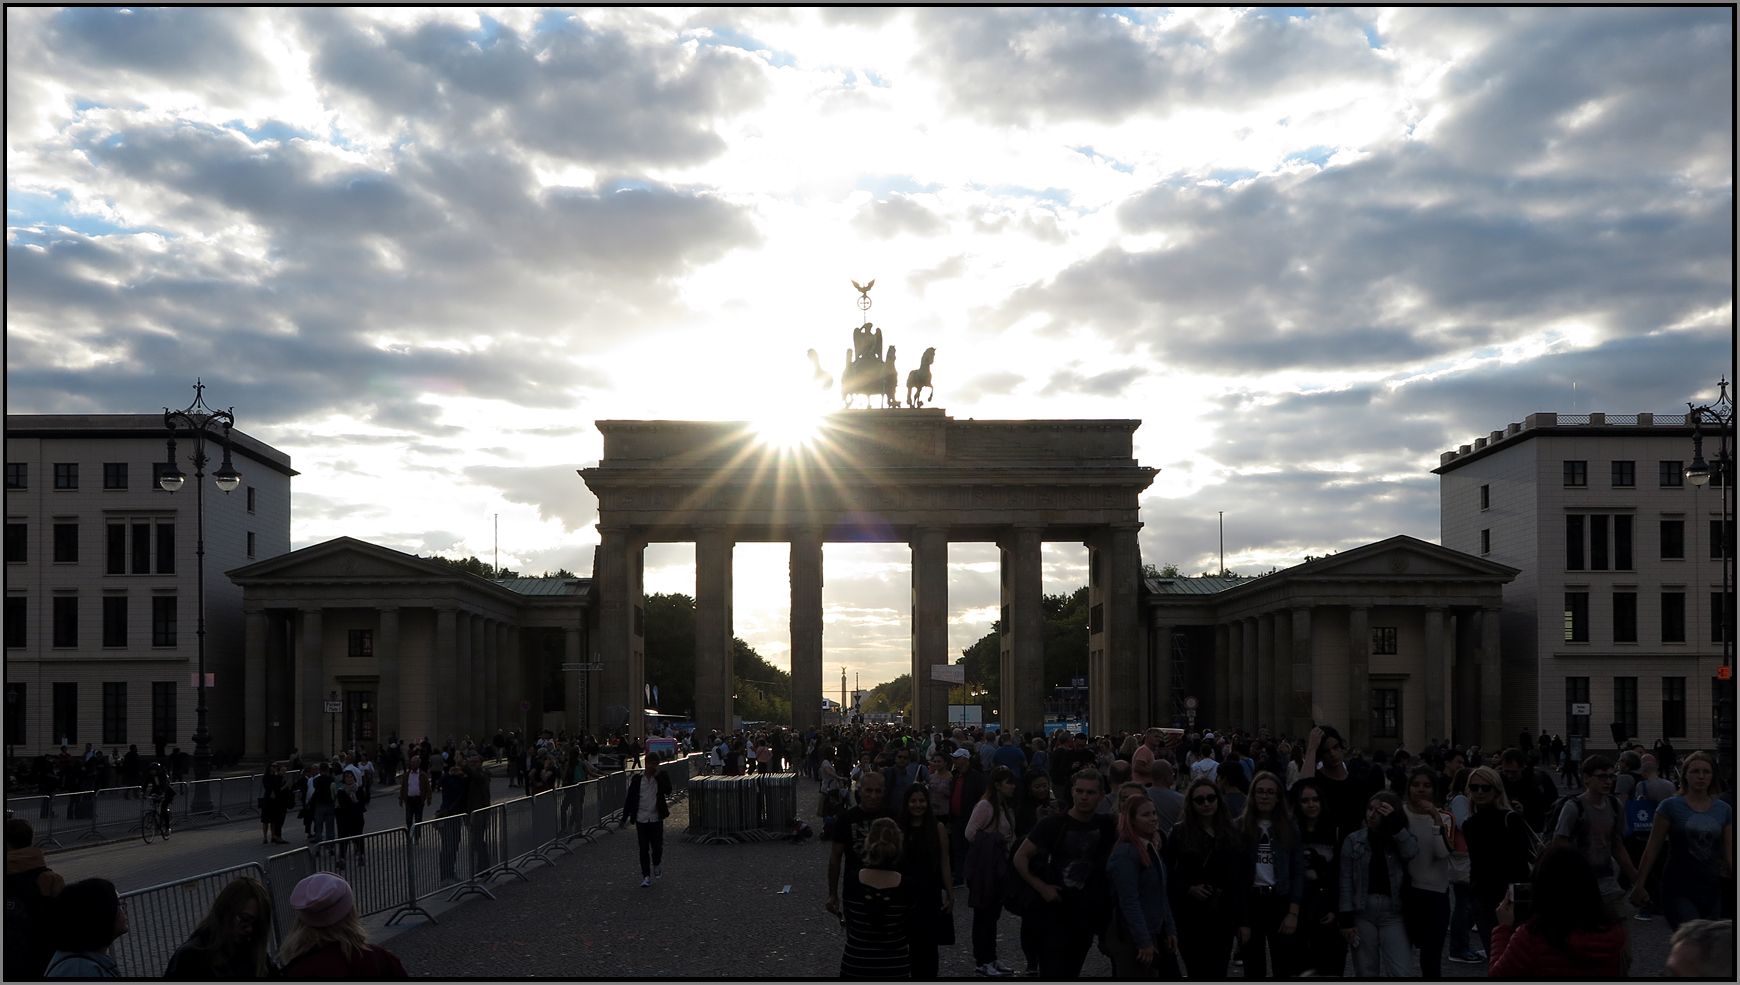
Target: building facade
(101, 587)
(1615, 619)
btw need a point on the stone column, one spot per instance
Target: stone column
(1229, 687)
(1433, 670)
(1113, 590)
(615, 617)
(806, 628)
(311, 695)
(513, 680)
(463, 656)
(572, 679)
(1465, 671)
(1251, 699)
(483, 677)
(390, 702)
(1300, 655)
(1358, 731)
(504, 702)
(713, 658)
(445, 673)
(254, 683)
(930, 624)
(1266, 703)
(1157, 697)
(1021, 704)
(1491, 683)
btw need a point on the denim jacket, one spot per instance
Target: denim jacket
(1356, 867)
(1140, 890)
(1289, 866)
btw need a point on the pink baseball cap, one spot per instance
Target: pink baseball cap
(322, 899)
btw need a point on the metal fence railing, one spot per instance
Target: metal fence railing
(741, 808)
(160, 918)
(63, 820)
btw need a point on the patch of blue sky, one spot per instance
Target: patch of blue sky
(727, 38)
(1116, 164)
(487, 33)
(1135, 15)
(81, 104)
(886, 184)
(1058, 196)
(1281, 13)
(269, 130)
(1232, 176)
(1372, 37)
(552, 20)
(29, 209)
(879, 81)
(623, 185)
(1318, 155)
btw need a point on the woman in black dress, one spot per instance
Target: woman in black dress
(877, 902)
(274, 804)
(1205, 874)
(924, 871)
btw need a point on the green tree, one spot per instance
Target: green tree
(669, 626)
(891, 697)
(473, 566)
(1066, 637)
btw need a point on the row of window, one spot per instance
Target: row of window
(65, 621)
(1623, 475)
(1624, 622)
(128, 546)
(65, 714)
(66, 476)
(1624, 710)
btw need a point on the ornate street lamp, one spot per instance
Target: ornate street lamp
(200, 423)
(1700, 473)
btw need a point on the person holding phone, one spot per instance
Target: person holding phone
(1555, 925)
(1373, 866)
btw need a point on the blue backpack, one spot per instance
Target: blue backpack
(1640, 810)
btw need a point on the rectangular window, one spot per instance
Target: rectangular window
(1673, 473)
(1486, 497)
(1624, 474)
(163, 620)
(250, 543)
(1486, 542)
(114, 620)
(1576, 473)
(1576, 617)
(1577, 700)
(66, 543)
(17, 543)
(1721, 536)
(66, 714)
(1673, 539)
(166, 548)
(114, 475)
(1622, 542)
(1673, 707)
(115, 712)
(1673, 617)
(1574, 542)
(1598, 542)
(141, 548)
(115, 556)
(250, 499)
(17, 635)
(162, 712)
(1625, 617)
(66, 620)
(1097, 619)
(1383, 639)
(1386, 713)
(17, 475)
(66, 475)
(16, 697)
(1721, 617)
(362, 642)
(1625, 703)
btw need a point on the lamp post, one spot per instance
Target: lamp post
(1700, 473)
(200, 423)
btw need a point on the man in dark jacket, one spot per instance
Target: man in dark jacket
(967, 789)
(1530, 791)
(648, 804)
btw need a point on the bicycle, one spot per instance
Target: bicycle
(152, 819)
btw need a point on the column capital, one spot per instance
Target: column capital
(1361, 606)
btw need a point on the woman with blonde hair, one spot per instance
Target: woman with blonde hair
(231, 941)
(1697, 832)
(1501, 848)
(327, 939)
(876, 911)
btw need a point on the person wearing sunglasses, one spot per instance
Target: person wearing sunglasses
(1207, 880)
(1501, 847)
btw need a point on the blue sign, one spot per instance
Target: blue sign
(1072, 726)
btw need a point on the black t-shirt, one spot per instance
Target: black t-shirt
(1080, 856)
(850, 830)
(1344, 800)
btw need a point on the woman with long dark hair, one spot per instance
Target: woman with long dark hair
(1322, 950)
(990, 833)
(1275, 863)
(1566, 933)
(1205, 873)
(924, 870)
(1426, 899)
(274, 804)
(231, 941)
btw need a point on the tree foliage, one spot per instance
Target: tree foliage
(763, 690)
(1065, 639)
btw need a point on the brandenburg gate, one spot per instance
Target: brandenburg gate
(892, 475)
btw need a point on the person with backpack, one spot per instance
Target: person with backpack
(1646, 795)
(31, 887)
(1593, 822)
(1501, 848)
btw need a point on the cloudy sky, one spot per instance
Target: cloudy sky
(1310, 249)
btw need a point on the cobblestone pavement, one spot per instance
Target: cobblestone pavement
(719, 911)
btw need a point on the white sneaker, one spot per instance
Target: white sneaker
(1005, 969)
(658, 871)
(644, 883)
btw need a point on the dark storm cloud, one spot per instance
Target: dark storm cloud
(897, 215)
(1024, 66)
(556, 490)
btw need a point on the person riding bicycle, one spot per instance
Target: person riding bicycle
(159, 789)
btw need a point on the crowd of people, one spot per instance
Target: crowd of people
(1192, 853)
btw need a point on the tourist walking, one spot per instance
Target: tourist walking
(275, 797)
(1275, 864)
(327, 939)
(86, 918)
(1696, 831)
(325, 808)
(231, 942)
(1426, 899)
(1205, 871)
(1142, 939)
(990, 833)
(1373, 868)
(1568, 932)
(1500, 847)
(924, 870)
(1064, 859)
(450, 818)
(349, 802)
(877, 904)
(648, 804)
(415, 792)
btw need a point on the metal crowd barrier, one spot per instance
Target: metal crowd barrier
(66, 819)
(161, 918)
(735, 808)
